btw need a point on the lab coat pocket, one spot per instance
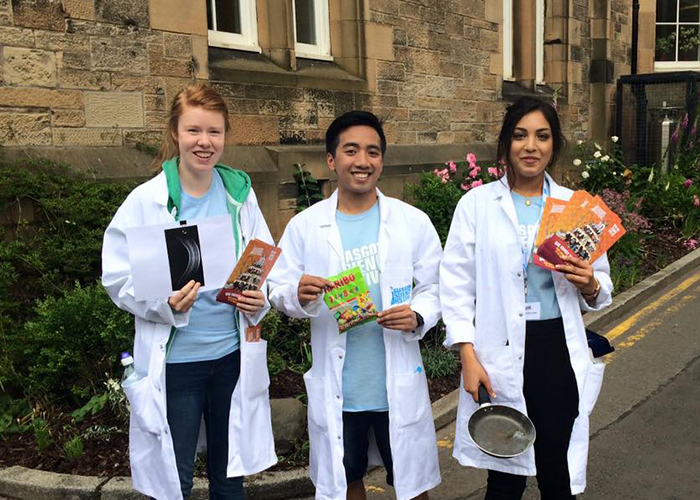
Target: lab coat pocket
(593, 384)
(397, 286)
(499, 366)
(317, 402)
(411, 398)
(147, 414)
(256, 378)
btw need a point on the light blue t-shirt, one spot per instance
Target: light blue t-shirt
(364, 370)
(540, 285)
(211, 332)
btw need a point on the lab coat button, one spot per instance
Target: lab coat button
(338, 396)
(162, 347)
(340, 357)
(519, 275)
(520, 314)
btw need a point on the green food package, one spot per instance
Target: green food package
(349, 300)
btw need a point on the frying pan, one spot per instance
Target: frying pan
(499, 430)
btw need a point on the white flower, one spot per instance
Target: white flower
(614, 173)
(585, 174)
(597, 154)
(614, 138)
(605, 158)
(579, 142)
(577, 162)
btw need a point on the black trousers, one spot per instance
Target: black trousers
(551, 396)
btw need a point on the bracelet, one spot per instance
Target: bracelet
(593, 295)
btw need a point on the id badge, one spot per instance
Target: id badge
(532, 311)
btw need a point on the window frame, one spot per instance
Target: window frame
(322, 50)
(675, 65)
(247, 39)
(539, 42)
(508, 73)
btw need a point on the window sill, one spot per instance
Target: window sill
(512, 91)
(250, 67)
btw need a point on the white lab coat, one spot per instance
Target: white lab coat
(409, 254)
(482, 298)
(251, 444)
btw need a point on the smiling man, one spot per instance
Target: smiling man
(367, 391)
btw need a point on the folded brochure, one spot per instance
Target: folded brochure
(583, 227)
(250, 271)
(349, 300)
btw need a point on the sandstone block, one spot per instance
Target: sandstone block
(288, 422)
(131, 83)
(247, 129)
(446, 137)
(24, 127)
(73, 60)
(177, 45)
(149, 137)
(113, 109)
(17, 37)
(68, 118)
(52, 40)
(86, 137)
(80, 9)
(42, 14)
(156, 119)
(28, 67)
(41, 98)
(379, 41)
(119, 55)
(168, 66)
(81, 79)
(390, 71)
(180, 16)
(154, 102)
(200, 53)
(127, 12)
(438, 86)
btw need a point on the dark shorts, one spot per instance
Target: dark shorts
(356, 427)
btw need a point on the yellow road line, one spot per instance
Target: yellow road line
(632, 320)
(641, 333)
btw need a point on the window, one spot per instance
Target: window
(508, 39)
(311, 29)
(677, 34)
(539, 41)
(233, 24)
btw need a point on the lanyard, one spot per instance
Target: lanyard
(529, 240)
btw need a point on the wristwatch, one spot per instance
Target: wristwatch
(594, 295)
(419, 320)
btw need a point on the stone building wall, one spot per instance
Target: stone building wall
(85, 81)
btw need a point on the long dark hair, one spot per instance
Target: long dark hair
(514, 113)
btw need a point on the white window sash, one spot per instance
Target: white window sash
(677, 65)
(247, 39)
(322, 49)
(508, 39)
(539, 42)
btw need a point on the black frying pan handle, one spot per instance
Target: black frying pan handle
(483, 395)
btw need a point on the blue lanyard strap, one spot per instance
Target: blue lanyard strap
(526, 245)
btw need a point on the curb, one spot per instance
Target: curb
(20, 483)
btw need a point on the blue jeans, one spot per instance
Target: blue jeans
(193, 389)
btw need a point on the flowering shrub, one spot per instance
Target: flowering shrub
(439, 191)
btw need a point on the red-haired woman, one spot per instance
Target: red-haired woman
(189, 349)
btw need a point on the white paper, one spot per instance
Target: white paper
(150, 263)
(532, 311)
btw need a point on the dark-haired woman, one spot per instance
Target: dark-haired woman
(518, 327)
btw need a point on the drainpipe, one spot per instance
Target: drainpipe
(635, 34)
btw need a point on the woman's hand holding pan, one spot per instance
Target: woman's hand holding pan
(473, 373)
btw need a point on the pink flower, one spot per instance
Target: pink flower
(477, 183)
(471, 159)
(684, 123)
(690, 244)
(444, 180)
(493, 172)
(696, 200)
(688, 183)
(674, 135)
(465, 186)
(475, 172)
(452, 166)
